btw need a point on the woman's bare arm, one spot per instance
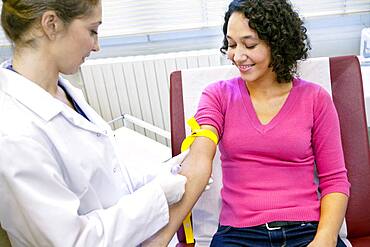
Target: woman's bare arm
(197, 167)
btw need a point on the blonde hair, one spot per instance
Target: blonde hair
(18, 16)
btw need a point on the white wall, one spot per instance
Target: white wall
(330, 36)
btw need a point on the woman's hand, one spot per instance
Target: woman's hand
(333, 208)
(323, 241)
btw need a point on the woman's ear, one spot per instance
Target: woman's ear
(51, 24)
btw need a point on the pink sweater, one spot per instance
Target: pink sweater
(268, 170)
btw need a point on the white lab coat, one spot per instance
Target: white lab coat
(61, 181)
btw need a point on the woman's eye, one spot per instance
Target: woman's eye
(231, 46)
(94, 32)
(250, 46)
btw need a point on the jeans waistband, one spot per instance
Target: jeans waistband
(279, 224)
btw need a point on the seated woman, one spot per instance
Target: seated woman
(273, 128)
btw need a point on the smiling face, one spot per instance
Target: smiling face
(77, 41)
(250, 54)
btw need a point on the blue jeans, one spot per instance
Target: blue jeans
(259, 236)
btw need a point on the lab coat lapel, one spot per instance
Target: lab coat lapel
(46, 106)
(97, 124)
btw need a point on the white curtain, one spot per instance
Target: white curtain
(309, 8)
(145, 17)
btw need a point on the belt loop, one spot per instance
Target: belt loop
(271, 228)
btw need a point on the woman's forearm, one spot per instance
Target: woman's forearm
(197, 167)
(333, 209)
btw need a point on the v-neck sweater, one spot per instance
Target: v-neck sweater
(268, 169)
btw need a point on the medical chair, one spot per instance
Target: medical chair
(341, 76)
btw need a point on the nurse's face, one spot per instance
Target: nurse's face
(78, 40)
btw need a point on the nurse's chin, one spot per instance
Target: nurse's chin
(71, 71)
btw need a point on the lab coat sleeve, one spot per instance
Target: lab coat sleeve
(38, 209)
(143, 173)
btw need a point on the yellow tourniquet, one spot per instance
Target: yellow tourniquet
(195, 132)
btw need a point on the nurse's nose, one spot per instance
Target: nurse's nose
(96, 46)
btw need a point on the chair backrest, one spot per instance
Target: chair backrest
(341, 76)
(348, 98)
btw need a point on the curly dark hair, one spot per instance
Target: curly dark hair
(280, 27)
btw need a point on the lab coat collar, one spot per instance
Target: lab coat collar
(45, 105)
(29, 93)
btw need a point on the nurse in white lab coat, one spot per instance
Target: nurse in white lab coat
(61, 181)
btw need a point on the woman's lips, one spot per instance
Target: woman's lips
(245, 68)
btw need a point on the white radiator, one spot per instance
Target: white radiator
(139, 86)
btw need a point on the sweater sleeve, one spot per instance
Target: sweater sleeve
(210, 108)
(327, 147)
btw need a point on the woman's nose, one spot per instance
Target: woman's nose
(240, 55)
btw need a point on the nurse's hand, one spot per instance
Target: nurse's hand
(173, 186)
(174, 164)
